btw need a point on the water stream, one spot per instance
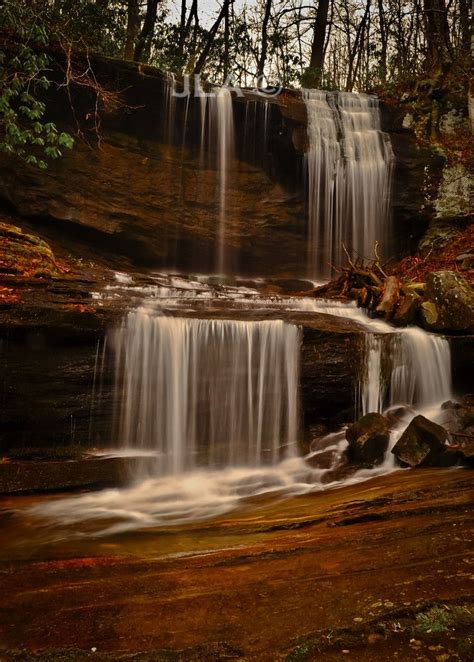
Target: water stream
(349, 165)
(221, 108)
(211, 405)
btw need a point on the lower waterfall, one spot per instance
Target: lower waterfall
(207, 392)
(209, 410)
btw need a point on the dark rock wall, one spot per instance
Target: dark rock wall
(54, 392)
(136, 187)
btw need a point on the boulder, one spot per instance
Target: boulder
(449, 304)
(465, 448)
(368, 439)
(457, 417)
(422, 443)
(407, 309)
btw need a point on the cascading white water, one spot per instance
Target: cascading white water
(221, 106)
(421, 369)
(207, 392)
(349, 165)
(409, 368)
(216, 403)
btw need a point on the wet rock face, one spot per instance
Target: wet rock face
(153, 194)
(422, 443)
(63, 350)
(368, 439)
(416, 168)
(150, 194)
(329, 373)
(89, 473)
(449, 304)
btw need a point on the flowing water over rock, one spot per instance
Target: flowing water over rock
(210, 393)
(349, 163)
(224, 118)
(212, 405)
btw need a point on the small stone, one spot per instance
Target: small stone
(358, 619)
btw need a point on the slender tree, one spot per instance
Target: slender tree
(143, 45)
(437, 36)
(264, 39)
(319, 38)
(211, 36)
(133, 26)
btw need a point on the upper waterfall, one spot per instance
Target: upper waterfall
(349, 165)
(225, 143)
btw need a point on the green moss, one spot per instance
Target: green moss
(441, 619)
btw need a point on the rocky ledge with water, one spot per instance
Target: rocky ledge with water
(187, 401)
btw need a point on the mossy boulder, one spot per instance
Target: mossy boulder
(25, 255)
(449, 303)
(368, 439)
(422, 444)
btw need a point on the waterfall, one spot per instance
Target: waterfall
(203, 112)
(207, 392)
(349, 165)
(170, 108)
(421, 370)
(417, 370)
(407, 366)
(223, 111)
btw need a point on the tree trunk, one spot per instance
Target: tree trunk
(470, 99)
(383, 43)
(182, 28)
(146, 35)
(317, 49)
(212, 34)
(354, 53)
(264, 37)
(465, 27)
(437, 36)
(133, 25)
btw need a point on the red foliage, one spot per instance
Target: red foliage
(415, 267)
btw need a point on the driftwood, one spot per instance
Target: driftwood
(390, 297)
(370, 284)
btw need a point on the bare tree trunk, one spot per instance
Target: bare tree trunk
(182, 28)
(470, 99)
(465, 25)
(264, 38)
(354, 54)
(437, 37)
(143, 45)
(383, 42)
(133, 25)
(212, 35)
(319, 37)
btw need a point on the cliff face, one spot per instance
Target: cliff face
(148, 187)
(144, 192)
